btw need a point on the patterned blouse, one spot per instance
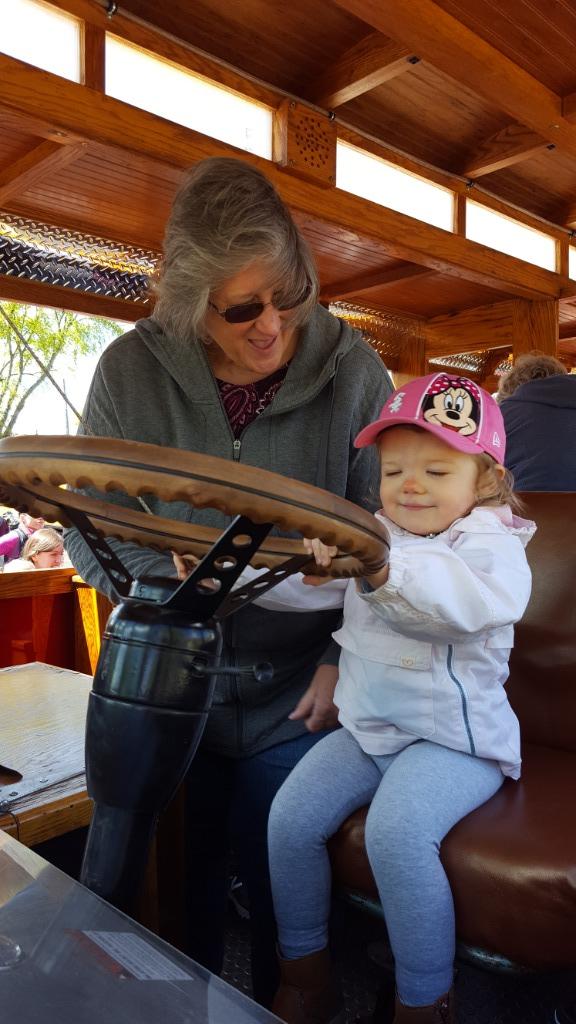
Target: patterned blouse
(244, 402)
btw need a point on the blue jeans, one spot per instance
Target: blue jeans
(415, 797)
(228, 801)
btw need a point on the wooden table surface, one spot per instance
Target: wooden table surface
(42, 783)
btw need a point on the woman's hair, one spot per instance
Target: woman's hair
(45, 539)
(225, 216)
(528, 367)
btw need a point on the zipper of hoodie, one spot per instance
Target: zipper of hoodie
(237, 442)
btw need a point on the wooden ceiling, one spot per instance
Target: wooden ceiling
(474, 94)
(445, 108)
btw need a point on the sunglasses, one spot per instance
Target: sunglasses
(246, 311)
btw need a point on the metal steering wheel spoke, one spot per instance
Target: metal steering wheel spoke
(115, 570)
(223, 564)
(256, 588)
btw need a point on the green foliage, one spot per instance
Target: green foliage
(51, 333)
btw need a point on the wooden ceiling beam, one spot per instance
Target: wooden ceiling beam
(569, 216)
(446, 43)
(567, 332)
(516, 324)
(471, 330)
(368, 64)
(493, 359)
(569, 107)
(70, 107)
(377, 279)
(509, 146)
(567, 350)
(42, 159)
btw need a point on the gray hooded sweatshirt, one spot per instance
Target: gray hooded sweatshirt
(149, 387)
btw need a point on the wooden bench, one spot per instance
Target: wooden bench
(512, 863)
(51, 616)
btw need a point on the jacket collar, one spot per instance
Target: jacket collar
(324, 339)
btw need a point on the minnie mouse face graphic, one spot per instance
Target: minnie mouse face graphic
(454, 403)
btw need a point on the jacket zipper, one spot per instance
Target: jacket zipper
(236, 448)
(463, 698)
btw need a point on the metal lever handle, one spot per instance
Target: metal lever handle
(263, 672)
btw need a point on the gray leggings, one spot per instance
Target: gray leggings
(415, 798)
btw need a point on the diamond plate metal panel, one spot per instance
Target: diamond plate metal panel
(469, 362)
(388, 333)
(87, 263)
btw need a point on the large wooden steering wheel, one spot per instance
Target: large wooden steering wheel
(33, 471)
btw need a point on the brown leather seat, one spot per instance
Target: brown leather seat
(512, 862)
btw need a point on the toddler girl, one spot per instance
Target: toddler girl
(428, 732)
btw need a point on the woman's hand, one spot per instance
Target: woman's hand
(316, 708)
(184, 564)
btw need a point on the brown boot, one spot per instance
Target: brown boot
(308, 993)
(442, 1012)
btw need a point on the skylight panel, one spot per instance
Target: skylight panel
(371, 178)
(509, 236)
(41, 35)
(151, 83)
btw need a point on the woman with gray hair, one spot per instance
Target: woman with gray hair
(239, 361)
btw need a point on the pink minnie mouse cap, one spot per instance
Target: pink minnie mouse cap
(453, 408)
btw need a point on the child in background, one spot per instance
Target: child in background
(12, 543)
(43, 550)
(428, 732)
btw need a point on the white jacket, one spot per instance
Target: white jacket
(426, 655)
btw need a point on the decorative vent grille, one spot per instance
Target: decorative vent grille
(52, 255)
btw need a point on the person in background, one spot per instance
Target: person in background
(240, 361)
(12, 543)
(537, 398)
(43, 550)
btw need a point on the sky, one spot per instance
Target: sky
(45, 411)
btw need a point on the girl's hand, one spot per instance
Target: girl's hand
(379, 578)
(323, 555)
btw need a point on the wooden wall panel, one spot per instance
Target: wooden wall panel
(37, 628)
(535, 326)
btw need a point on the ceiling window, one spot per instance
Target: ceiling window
(371, 178)
(146, 81)
(510, 236)
(41, 35)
